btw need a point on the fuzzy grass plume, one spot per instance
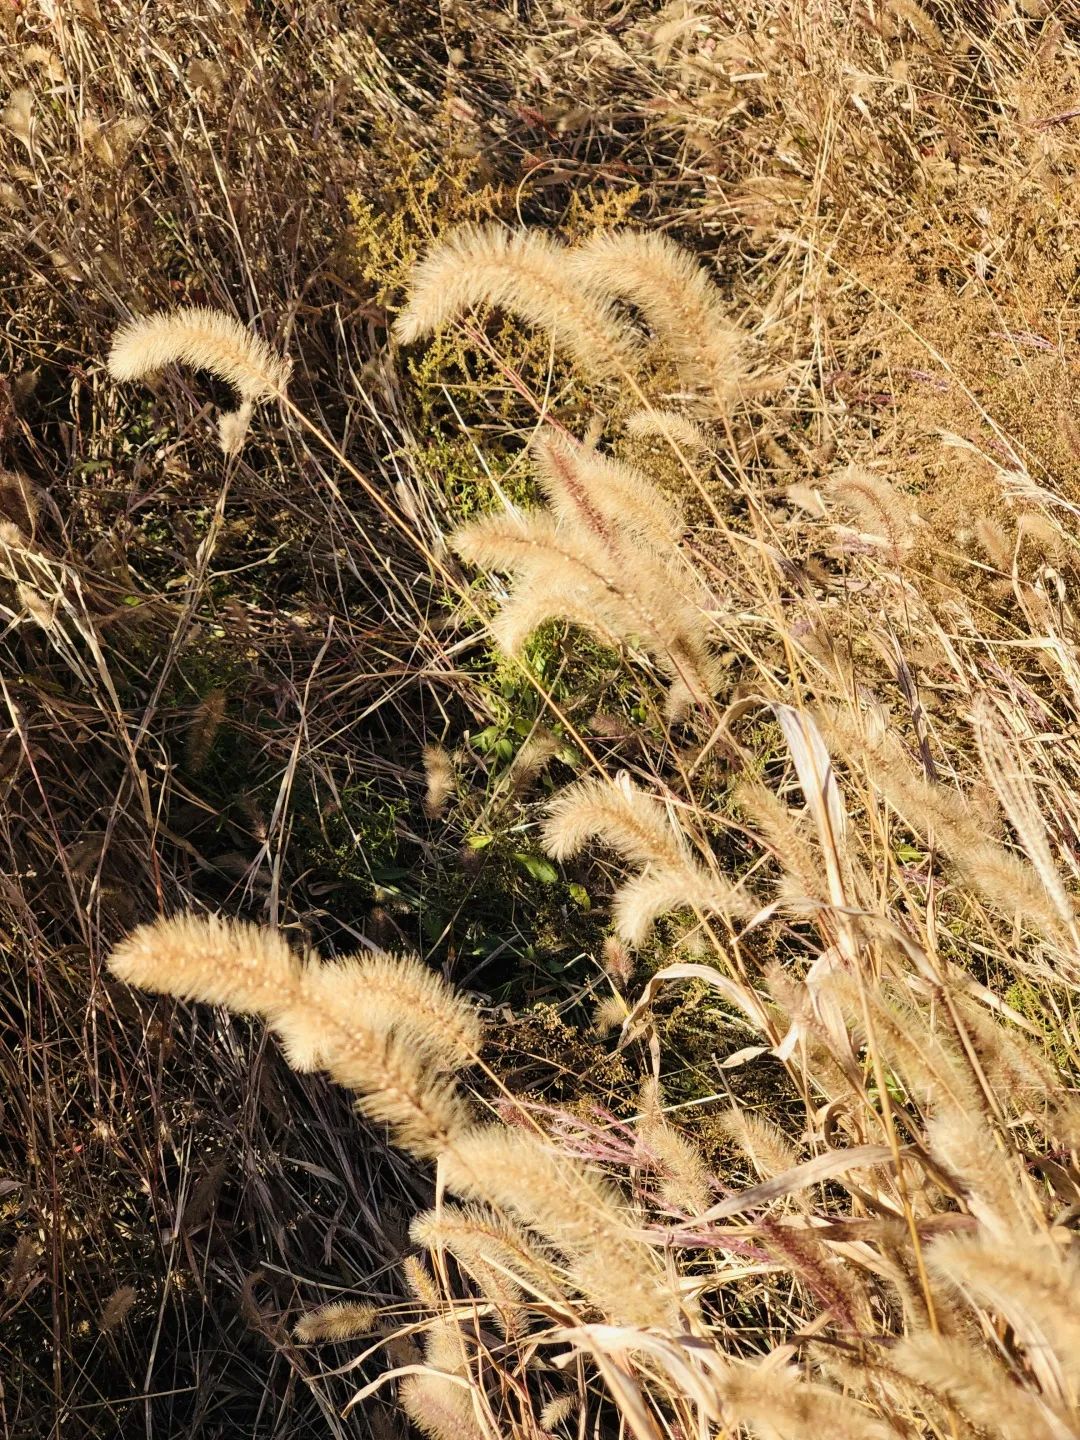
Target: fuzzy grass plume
(395, 1047)
(338, 1321)
(526, 273)
(204, 339)
(680, 302)
(604, 556)
(636, 825)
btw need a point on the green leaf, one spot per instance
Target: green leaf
(538, 868)
(580, 894)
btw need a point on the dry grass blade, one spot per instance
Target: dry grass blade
(808, 635)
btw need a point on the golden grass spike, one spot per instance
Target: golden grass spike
(1020, 1074)
(435, 1400)
(605, 560)
(532, 759)
(998, 546)
(220, 962)
(920, 20)
(204, 728)
(495, 1252)
(40, 610)
(608, 1014)
(936, 1074)
(398, 994)
(526, 273)
(672, 426)
(1032, 1285)
(1007, 769)
(341, 1320)
(233, 428)
(253, 971)
(205, 339)
(116, 1308)
(559, 1410)
(883, 511)
(696, 672)
(619, 813)
(394, 1078)
(684, 1178)
(994, 1185)
(421, 1284)
(638, 828)
(678, 299)
(978, 1385)
(658, 890)
(477, 1233)
(763, 1143)
(571, 1207)
(18, 500)
(441, 1409)
(605, 494)
(449, 1346)
(17, 118)
(561, 574)
(776, 1401)
(18, 554)
(617, 961)
(439, 775)
(779, 826)
(545, 599)
(641, 900)
(514, 542)
(1001, 877)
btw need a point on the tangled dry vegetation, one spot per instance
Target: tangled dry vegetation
(542, 540)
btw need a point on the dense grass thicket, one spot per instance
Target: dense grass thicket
(540, 703)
